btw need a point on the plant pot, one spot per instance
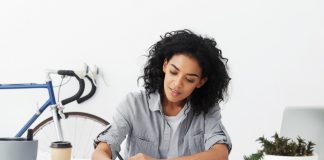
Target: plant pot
(275, 157)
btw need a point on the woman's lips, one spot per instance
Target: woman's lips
(174, 93)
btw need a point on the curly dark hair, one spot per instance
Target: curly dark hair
(209, 57)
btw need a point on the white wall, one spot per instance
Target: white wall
(275, 50)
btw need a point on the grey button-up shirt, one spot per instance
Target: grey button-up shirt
(140, 116)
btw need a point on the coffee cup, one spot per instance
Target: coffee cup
(61, 150)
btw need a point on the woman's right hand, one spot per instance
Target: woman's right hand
(102, 152)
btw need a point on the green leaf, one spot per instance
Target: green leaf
(282, 146)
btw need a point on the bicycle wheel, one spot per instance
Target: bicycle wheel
(78, 128)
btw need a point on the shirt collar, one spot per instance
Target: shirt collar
(154, 102)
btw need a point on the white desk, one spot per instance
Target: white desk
(46, 156)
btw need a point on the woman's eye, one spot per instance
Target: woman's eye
(190, 80)
(173, 73)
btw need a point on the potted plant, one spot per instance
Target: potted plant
(282, 148)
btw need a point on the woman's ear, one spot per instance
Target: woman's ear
(202, 82)
(165, 63)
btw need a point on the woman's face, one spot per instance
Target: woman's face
(182, 76)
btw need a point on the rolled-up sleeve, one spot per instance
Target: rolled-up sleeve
(215, 132)
(117, 130)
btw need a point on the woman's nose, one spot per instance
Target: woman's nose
(178, 82)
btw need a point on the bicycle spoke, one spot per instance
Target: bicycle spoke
(88, 140)
(79, 128)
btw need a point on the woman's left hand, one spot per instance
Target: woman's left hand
(141, 156)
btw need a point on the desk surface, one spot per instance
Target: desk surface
(46, 156)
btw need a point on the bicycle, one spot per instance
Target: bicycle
(79, 128)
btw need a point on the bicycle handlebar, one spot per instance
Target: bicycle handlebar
(81, 86)
(90, 94)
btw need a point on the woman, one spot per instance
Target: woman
(177, 116)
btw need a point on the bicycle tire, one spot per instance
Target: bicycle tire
(84, 129)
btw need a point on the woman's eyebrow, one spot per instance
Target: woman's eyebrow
(175, 67)
(189, 74)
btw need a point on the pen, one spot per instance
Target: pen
(119, 156)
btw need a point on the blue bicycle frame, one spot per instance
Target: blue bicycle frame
(51, 100)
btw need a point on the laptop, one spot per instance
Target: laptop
(306, 122)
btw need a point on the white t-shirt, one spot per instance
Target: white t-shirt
(174, 123)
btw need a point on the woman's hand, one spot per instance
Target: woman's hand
(141, 156)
